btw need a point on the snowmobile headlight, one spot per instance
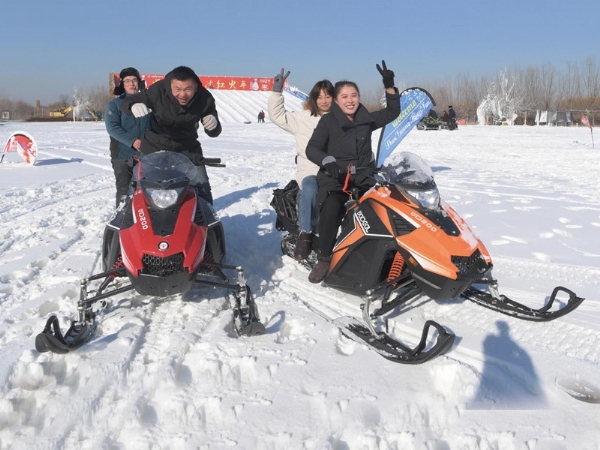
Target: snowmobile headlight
(163, 198)
(429, 199)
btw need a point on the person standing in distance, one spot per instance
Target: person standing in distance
(179, 104)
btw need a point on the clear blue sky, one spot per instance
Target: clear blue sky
(48, 48)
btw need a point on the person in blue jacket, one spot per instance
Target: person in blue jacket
(125, 131)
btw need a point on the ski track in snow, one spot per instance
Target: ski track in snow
(169, 372)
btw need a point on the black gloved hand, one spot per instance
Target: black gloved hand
(196, 158)
(330, 166)
(278, 81)
(386, 74)
(332, 169)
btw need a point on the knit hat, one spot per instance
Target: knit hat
(127, 72)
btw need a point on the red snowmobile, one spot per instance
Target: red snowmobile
(161, 242)
(400, 240)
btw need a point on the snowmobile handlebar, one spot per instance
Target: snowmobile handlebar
(212, 162)
(199, 160)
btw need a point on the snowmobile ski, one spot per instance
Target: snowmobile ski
(51, 339)
(246, 320)
(500, 303)
(393, 349)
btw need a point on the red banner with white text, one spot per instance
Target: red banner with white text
(210, 82)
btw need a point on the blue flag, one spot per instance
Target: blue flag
(415, 103)
(296, 93)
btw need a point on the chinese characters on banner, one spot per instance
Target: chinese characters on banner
(210, 82)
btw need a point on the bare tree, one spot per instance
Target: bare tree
(98, 99)
(22, 110)
(569, 90)
(590, 77)
(547, 86)
(65, 100)
(4, 102)
(467, 95)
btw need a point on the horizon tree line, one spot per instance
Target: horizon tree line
(576, 88)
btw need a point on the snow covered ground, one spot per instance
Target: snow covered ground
(167, 374)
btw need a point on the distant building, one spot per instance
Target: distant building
(554, 118)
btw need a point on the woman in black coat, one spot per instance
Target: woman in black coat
(341, 138)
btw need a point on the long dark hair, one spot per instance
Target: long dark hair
(311, 101)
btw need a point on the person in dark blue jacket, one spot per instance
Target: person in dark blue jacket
(125, 131)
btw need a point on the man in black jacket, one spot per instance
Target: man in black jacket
(179, 104)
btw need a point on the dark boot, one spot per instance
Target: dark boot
(303, 246)
(318, 272)
(120, 199)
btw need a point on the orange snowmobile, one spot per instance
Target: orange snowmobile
(400, 240)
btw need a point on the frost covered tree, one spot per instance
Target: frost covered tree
(81, 102)
(504, 98)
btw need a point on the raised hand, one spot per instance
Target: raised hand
(386, 74)
(209, 122)
(279, 80)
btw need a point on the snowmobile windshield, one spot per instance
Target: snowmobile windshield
(414, 176)
(408, 169)
(164, 166)
(164, 177)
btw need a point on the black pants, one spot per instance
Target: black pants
(202, 185)
(123, 170)
(329, 221)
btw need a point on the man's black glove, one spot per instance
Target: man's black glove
(330, 166)
(386, 74)
(278, 81)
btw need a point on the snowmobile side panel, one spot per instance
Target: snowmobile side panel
(364, 270)
(366, 235)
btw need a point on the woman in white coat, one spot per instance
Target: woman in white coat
(302, 124)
